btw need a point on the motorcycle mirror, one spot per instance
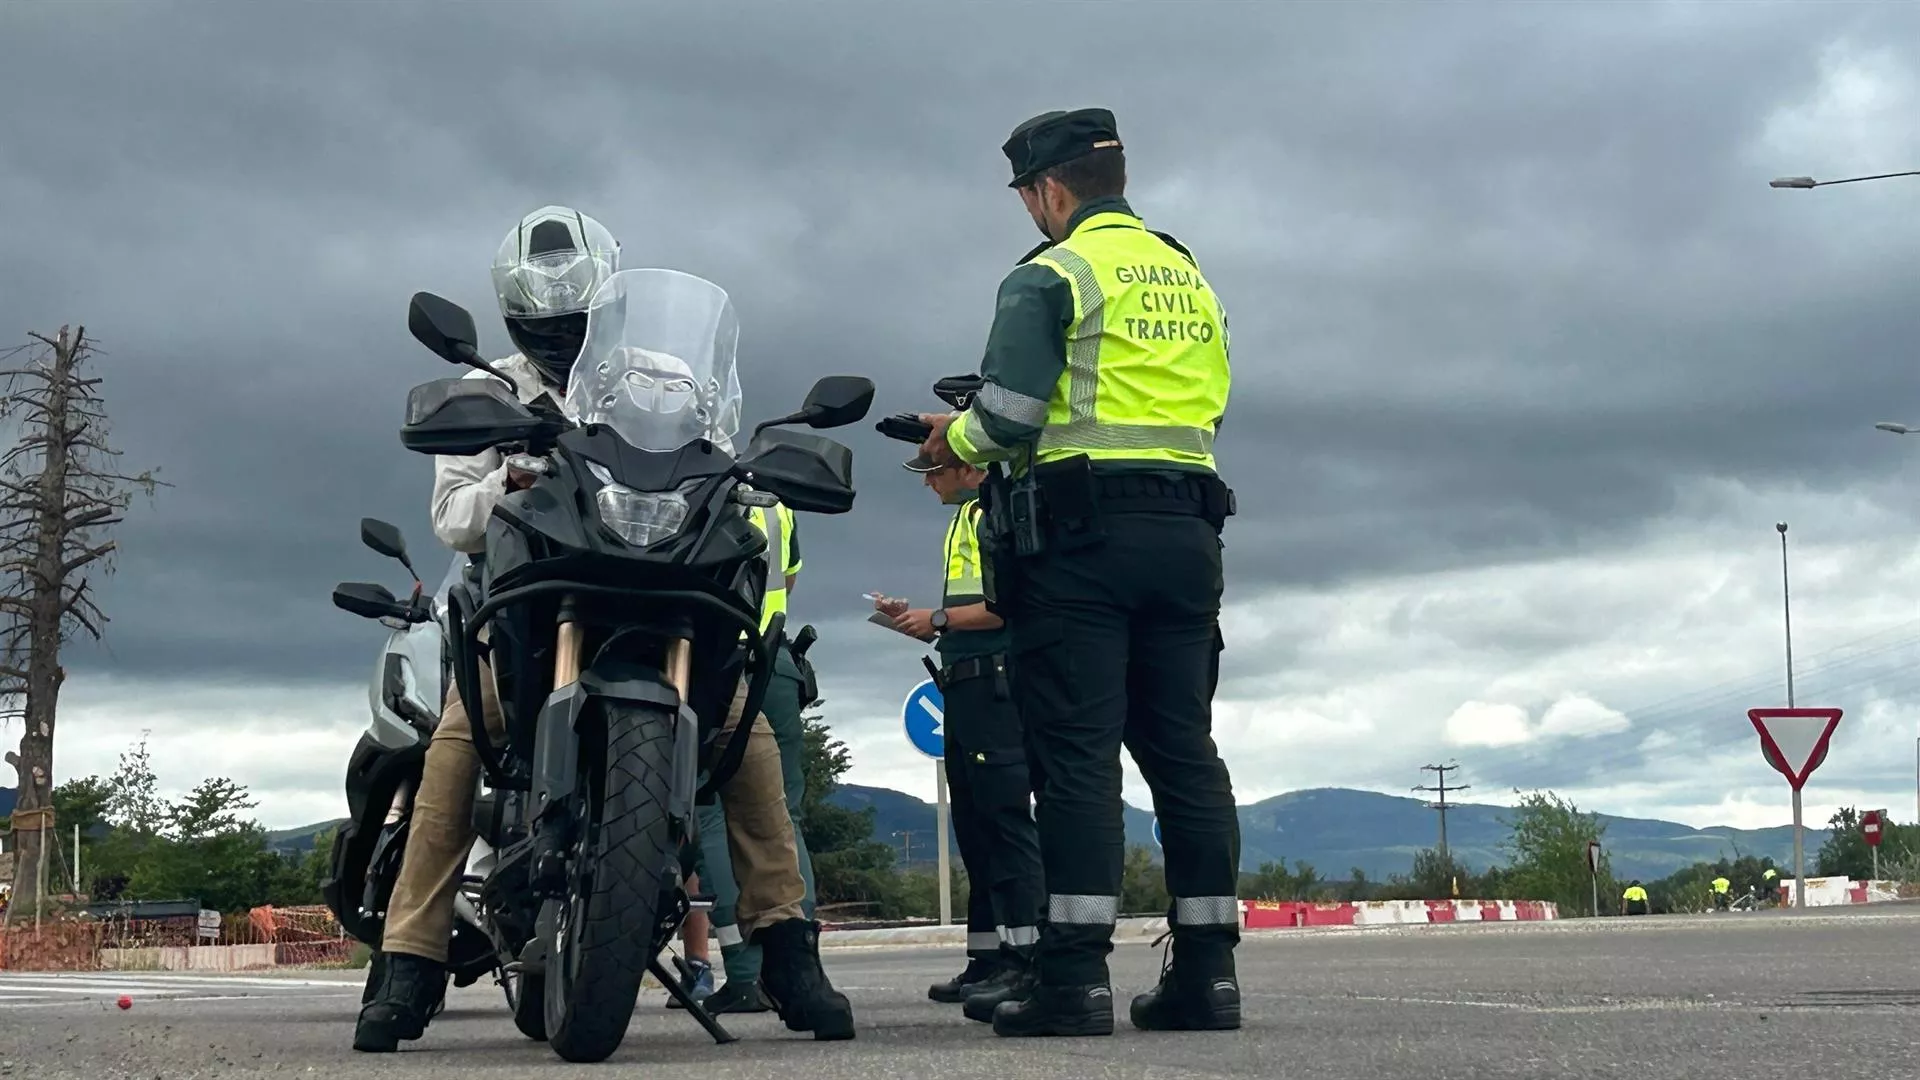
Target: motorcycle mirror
(838, 400)
(442, 326)
(386, 539)
(367, 600)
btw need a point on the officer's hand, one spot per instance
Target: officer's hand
(936, 447)
(892, 606)
(517, 480)
(917, 623)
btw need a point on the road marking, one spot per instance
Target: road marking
(1647, 1005)
(40, 989)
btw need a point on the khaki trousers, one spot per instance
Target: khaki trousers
(420, 916)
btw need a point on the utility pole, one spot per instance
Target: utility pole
(1441, 804)
(906, 838)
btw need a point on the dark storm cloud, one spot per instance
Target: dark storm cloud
(1500, 276)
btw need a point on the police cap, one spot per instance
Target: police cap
(1057, 137)
(920, 463)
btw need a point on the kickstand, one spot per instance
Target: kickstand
(694, 1008)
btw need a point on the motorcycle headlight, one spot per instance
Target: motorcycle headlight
(641, 517)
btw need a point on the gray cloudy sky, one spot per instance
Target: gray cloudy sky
(1529, 357)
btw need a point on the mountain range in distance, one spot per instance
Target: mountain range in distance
(1338, 830)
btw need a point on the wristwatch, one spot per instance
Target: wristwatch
(938, 620)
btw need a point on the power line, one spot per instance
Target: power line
(1441, 805)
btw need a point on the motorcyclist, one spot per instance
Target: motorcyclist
(544, 276)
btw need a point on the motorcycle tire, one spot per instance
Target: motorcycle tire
(593, 983)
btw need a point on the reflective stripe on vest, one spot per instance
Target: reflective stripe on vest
(1147, 373)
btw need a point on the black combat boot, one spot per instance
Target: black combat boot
(409, 992)
(1013, 982)
(980, 969)
(1197, 992)
(791, 974)
(1057, 1010)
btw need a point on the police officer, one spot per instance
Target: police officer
(1633, 901)
(985, 759)
(1106, 379)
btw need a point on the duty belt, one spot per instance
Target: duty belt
(1145, 493)
(972, 668)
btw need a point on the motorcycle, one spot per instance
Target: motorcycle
(618, 607)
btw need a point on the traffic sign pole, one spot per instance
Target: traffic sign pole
(924, 716)
(1799, 855)
(1794, 741)
(940, 822)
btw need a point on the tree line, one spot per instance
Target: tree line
(135, 845)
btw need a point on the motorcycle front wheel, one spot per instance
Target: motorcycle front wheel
(606, 924)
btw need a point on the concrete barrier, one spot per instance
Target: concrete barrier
(184, 958)
(1287, 914)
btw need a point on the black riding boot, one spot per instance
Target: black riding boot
(408, 992)
(791, 974)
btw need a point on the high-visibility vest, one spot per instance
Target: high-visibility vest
(777, 525)
(1147, 374)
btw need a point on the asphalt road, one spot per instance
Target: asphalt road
(1686, 996)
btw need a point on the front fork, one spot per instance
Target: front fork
(555, 829)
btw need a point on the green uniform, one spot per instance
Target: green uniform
(782, 709)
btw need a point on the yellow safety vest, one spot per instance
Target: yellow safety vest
(964, 583)
(1721, 884)
(781, 561)
(1634, 894)
(1147, 373)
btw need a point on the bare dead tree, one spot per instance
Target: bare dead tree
(60, 496)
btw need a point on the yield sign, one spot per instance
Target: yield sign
(1795, 740)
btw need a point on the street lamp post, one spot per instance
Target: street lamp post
(1804, 182)
(1786, 608)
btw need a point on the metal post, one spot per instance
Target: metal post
(76, 861)
(1786, 608)
(1596, 894)
(1876, 860)
(1799, 857)
(940, 822)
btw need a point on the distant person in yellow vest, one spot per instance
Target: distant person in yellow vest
(1770, 886)
(1634, 900)
(1722, 893)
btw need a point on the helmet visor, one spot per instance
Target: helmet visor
(557, 283)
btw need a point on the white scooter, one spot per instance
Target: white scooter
(404, 699)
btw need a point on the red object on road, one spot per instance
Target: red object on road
(1870, 827)
(125, 1002)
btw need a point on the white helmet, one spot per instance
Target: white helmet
(545, 274)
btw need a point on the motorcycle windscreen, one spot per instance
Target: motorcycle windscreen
(658, 363)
